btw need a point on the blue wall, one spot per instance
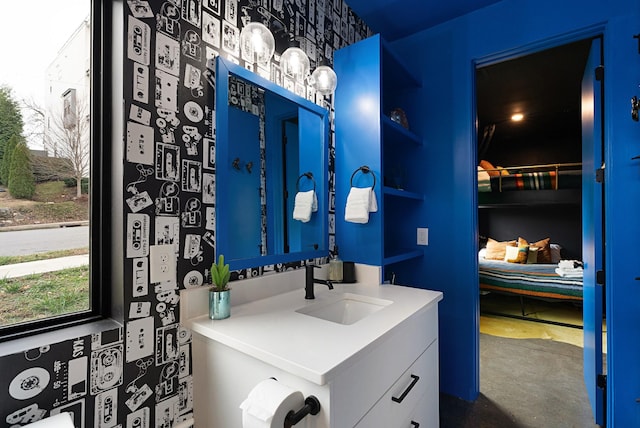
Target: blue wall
(445, 56)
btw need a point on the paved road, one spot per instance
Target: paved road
(22, 242)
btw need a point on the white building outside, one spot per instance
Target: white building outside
(66, 101)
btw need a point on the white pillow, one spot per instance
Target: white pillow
(511, 253)
(555, 252)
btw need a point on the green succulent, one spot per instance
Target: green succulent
(220, 274)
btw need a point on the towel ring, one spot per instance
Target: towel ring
(366, 170)
(309, 175)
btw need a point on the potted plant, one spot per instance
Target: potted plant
(220, 293)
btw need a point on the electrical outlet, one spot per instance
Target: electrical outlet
(162, 262)
(423, 236)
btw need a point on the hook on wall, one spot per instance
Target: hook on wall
(236, 164)
(635, 106)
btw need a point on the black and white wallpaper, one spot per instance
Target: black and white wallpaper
(140, 375)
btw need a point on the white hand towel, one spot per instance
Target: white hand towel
(358, 205)
(304, 205)
(373, 202)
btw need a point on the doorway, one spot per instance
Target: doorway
(530, 125)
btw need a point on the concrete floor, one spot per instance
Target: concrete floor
(524, 383)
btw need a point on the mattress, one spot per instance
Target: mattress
(537, 280)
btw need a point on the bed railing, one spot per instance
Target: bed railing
(522, 169)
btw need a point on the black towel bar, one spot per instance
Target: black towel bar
(365, 170)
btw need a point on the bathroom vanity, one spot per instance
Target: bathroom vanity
(368, 352)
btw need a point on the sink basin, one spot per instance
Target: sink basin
(348, 309)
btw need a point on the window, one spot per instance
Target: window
(69, 109)
(51, 157)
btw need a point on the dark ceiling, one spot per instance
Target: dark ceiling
(394, 19)
(546, 88)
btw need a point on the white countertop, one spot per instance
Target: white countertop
(272, 331)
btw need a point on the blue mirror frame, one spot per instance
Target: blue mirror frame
(309, 150)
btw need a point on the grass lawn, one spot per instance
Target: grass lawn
(44, 295)
(50, 294)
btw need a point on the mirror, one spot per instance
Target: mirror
(270, 145)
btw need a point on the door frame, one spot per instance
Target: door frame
(494, 58)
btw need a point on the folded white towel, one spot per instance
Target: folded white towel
(570, 273)
(305, 203)
(569, 264)
(359, 204)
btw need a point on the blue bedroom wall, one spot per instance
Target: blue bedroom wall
(445, 57)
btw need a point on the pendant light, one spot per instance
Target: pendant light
(324, 80)
(295, 63)
(257, 42)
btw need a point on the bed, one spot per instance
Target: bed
(529, 177)
(548, 184)
(535, 280)
(509, 269)
(534, 200)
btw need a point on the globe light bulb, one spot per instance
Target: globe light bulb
(295, 63)
(324, 80)
(257, 43)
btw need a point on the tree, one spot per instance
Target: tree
(10, 118)
(34, 123)
(66, 140)
(5, 163)
(22, 185)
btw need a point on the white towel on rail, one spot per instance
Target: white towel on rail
(360, 202)
(305, 203)
(373, 202)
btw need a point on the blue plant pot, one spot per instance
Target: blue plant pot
(219, 304)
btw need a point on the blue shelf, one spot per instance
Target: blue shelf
(397, 133)
(401, 256)
(402, 193)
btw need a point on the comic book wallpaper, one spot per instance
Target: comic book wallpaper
(139, 376)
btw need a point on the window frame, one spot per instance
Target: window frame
(99, 184)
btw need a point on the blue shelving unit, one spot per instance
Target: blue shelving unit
(373, 82)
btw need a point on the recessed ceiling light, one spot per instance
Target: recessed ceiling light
(517, 117)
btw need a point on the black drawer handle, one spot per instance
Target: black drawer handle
(408, 390)
(414, 424)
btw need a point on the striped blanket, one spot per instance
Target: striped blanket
(538, 280)
(537, 181)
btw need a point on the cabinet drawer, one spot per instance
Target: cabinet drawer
(425, 415)
(409, 390)
(414, 393)
(388, 361)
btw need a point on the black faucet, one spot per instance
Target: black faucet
(310, 281)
